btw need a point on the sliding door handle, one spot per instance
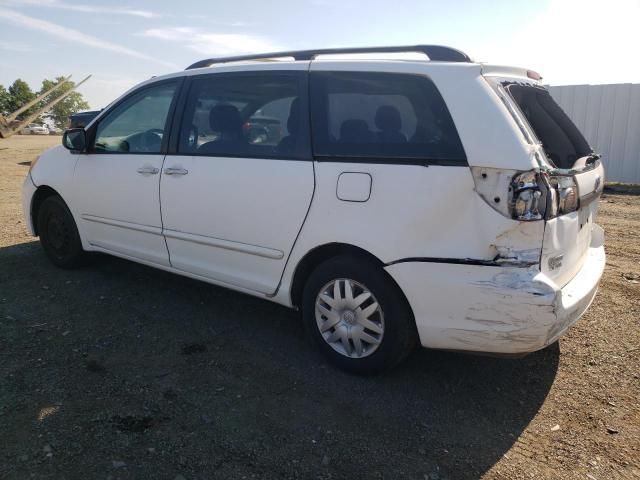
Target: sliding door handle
(148, 170)
(175, 171)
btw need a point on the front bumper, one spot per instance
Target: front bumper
(28, 189)
(493, 309)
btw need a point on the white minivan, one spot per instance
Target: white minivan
(394, 201)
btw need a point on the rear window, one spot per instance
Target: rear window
(383, 116)
(562, 141)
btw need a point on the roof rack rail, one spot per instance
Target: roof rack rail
(436, 53)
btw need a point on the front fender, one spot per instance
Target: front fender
(55, 168)
(28, 190)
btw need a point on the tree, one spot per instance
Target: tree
(73, 103)
(19, 94)
(4, 100)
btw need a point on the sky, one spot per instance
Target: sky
(122, 43)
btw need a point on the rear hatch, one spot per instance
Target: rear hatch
(570, 164)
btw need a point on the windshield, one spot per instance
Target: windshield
(562, 141)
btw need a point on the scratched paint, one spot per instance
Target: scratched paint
(503, 309)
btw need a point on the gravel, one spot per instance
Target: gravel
(122, 371)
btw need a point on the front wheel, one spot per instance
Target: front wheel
(357, 315)
(58, 233)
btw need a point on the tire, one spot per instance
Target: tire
(59, 234)
(364, 340)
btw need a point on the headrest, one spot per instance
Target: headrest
(224, 117)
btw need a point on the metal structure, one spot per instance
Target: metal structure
(609, 118)
(436, 53)
(9, 125)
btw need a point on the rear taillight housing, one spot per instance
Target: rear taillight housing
(528, 197)
(538, 195)
(566, 198)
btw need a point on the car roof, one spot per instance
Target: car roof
(374, 58)
(300, 59)
(437, 53)
(361, 61)
(257, 65)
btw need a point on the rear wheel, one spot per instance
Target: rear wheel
(357, 315)
(58, 233)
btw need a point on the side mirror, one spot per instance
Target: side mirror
(75, 139)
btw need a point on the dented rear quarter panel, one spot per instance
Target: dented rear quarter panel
(506, 310)
(478, 308)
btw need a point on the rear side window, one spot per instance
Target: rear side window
(261, 114)
(562, 141)
(382, 116)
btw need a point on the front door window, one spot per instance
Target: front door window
(138, 124)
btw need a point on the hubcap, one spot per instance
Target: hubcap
(349, 318)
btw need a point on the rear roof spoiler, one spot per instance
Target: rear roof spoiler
(436, 53)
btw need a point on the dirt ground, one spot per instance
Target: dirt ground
(121, 371)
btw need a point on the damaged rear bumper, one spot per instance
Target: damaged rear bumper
(496, 309)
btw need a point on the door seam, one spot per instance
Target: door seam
(313, 192)
(160, 206)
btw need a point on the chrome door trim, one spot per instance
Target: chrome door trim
(225, 244)
(118, 223)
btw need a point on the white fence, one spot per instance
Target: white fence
(609, 117)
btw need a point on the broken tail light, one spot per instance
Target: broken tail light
(528, 197)
(535, 196)
(566, 199)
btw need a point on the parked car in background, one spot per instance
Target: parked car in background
(35, 129)
(82, 119)
(446, 203)
(53, 130)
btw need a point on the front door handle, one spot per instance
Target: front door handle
(148, 170)
(175, 171)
